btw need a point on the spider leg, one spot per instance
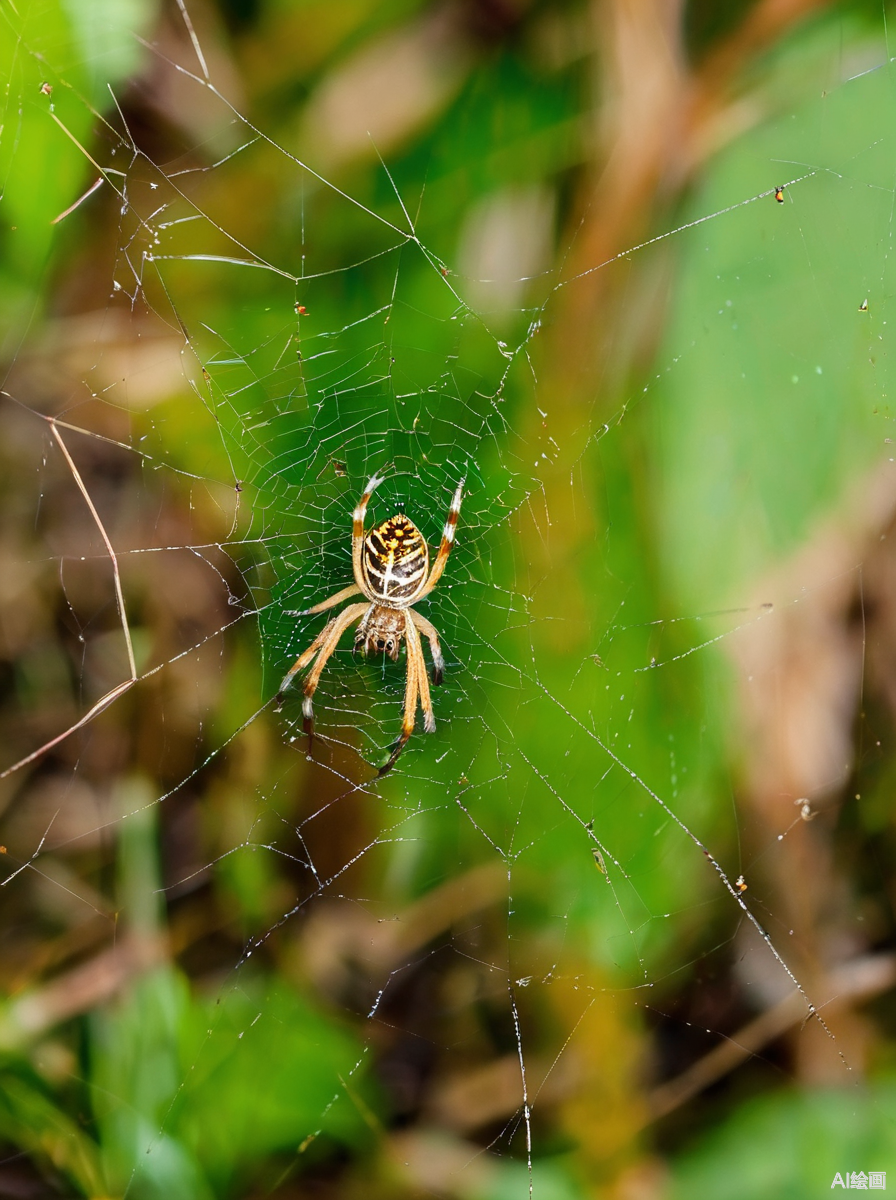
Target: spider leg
(326, 642)
(358, 529)
(445, 547)
(429, 630)
(411, 691)
(415, 651)
(304, 659)
(340, 622)
(331, 602)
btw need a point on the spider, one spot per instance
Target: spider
(391, 569)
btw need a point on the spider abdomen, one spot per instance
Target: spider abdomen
(395, 561)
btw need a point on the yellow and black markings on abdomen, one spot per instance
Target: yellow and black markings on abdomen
(395, 560)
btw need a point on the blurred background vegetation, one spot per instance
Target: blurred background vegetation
(537, 244)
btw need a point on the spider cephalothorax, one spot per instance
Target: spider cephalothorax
(381, 631)
(391, 569)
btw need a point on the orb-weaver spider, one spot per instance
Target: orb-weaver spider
(391, 569)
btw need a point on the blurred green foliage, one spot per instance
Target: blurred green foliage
(78, 51)
(792, 1144)
(781, 394)
(766, 399)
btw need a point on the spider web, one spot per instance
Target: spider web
(472, 940)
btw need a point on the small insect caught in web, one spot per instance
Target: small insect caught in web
(301, 310)
(779, 194)
(863, 307)
(340, 469)
(740, 885)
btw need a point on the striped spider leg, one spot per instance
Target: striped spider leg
(392, 572)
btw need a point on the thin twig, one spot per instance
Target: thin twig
(101, 704)
(119, 595)
(77, 203)
(861, 978)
